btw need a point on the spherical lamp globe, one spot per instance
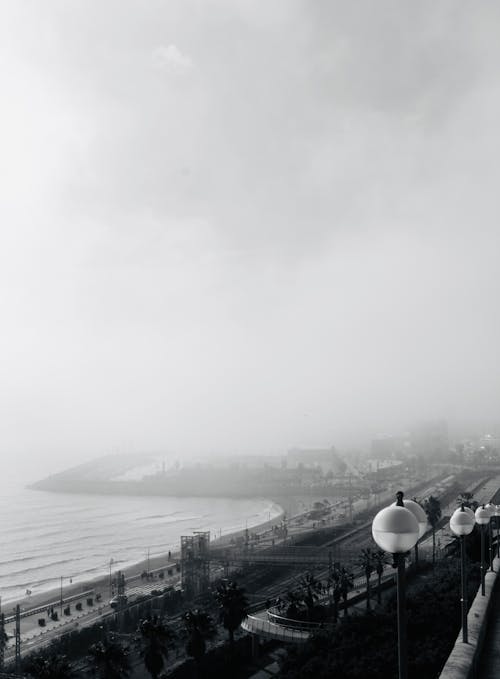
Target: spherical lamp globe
(461, 522)
(395, 529)
(483, 515)
(497, 510)
(470, 512)
(418, 513)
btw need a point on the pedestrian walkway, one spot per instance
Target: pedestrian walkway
(489, 665)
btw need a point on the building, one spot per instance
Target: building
(389, 447)
(325, 458)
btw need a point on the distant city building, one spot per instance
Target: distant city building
(490, 442)
(326, 458)
(430, 439)
(387, 447)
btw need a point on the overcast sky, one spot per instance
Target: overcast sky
(234, 225)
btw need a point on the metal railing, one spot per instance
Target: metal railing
(304, 625)
(255, 625)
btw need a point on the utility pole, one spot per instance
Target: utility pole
(350, 498)
(110, 579)
(18, 640)
(121, 584)
(61, 596)
(148, 560)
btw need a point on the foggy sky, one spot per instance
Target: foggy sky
(240, 225)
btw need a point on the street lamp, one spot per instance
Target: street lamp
(497, 515)
(462, 524)
(395, 530)
(419, 513)
(111, 561)
(491, 508)
(483, 517)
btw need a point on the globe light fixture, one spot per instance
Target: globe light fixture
(483, 516)
(469, 511)
(462, 524)
(419, 513)
(395, 529)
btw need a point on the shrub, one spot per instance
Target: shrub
(366, 645)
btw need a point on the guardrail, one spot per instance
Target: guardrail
(261, 627)
(304, 625)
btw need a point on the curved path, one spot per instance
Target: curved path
(270, 630)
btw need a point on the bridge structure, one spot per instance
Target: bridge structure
(197, 556)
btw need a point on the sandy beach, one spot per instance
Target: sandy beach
(101, 584)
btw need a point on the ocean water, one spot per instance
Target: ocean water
(45, 536)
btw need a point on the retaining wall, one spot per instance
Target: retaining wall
(464, 658)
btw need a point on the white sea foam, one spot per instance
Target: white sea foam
(46, 535)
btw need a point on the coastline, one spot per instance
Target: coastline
(100, 583)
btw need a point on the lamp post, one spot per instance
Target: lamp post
(111, 561)
(462, 523)
(483, 517)
(497, 515)
(491, 508)
(395, 530)
(419, 513)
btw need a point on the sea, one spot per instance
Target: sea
(48, 536)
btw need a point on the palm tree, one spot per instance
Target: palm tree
(346, 584)
(367, 563)
(155, 637)
(292, 606)
(109, 660)
(308, 591)
(46, 665)
(379, 559)
(333, 584)
(467, 500)
(432, 508)
(233, 604)
(199, 627)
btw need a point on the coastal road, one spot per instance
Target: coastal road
(34, 636)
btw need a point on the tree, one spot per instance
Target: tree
(367, 562)
(346, 584)
(333, 585)
(467, 500)
(109, 660)
(292, 604)
(232, 604)
(432, 508)
(199, 627)
(379, 559)
(155, 637)
(46, 665)
(4, 637)
(309, 591)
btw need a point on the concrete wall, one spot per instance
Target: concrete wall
(464, 658)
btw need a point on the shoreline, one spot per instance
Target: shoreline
(101, 583)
